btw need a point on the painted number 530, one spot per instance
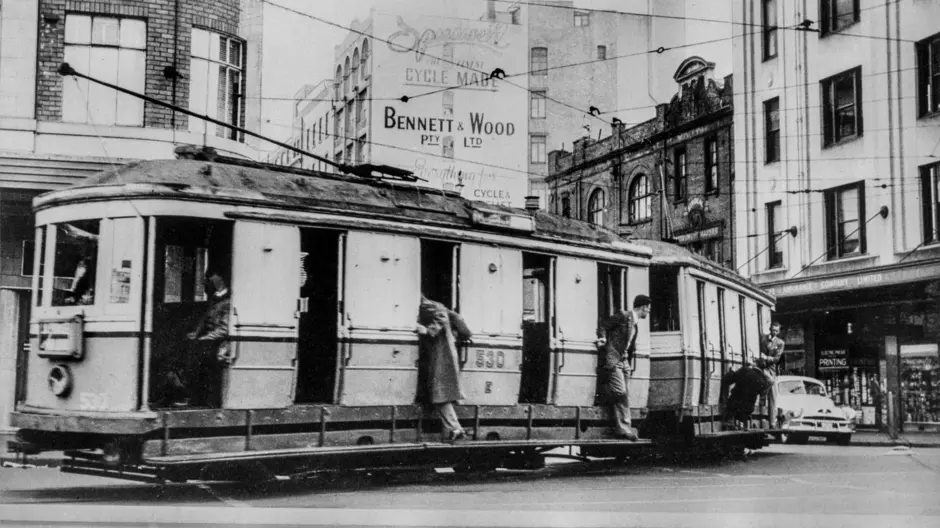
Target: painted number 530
(490, 359)
(93, 401)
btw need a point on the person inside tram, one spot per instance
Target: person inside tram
(771, 352)
(616, 343)
(439, 328)
(209, 350)
(82, 291)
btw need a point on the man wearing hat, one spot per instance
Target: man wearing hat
(616, 343)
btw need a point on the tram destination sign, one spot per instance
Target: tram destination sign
(438, 111)
(861, 280)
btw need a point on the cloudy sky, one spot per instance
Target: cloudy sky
(299, 49)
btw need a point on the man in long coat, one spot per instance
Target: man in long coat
(616, 341)
(439, 327)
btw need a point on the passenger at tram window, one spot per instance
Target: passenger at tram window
(78, 244)
(82, 291)
(616, 342)
(196, 379)
(439, 329)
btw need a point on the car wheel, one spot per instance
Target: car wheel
(844, 439)
(797, 439)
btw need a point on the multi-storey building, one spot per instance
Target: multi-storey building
(312, 129)
(56, 130)
(668, 178)
(838, 137)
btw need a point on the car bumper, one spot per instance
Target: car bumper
(811, 427)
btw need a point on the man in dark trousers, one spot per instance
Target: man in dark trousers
(616, 342)
(746, 385)
(771, 348)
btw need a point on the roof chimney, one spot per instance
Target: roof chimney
(532, 203)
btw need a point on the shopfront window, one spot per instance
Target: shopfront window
(76, 257)
(920, 384)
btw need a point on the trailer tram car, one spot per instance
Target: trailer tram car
(326, 273)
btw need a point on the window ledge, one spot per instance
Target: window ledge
(844, 260)
(771, 162)
(830, 32)
(930, 115)
(768, 59)
(647, 220)
(714, 192)
(770, 272)
(844, 141)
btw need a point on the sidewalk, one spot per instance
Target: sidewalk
(878, 438)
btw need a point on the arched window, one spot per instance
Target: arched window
(354, 74)
(596, 206)
(346, 77)
(364, 70)
(337, 82)
(639, 198)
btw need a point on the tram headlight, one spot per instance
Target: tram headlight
(60, 380)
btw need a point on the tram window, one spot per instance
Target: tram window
(76, 257)
(610, 289)
(188, 250)
(664, 292)
(124, 247)
(535, 288)
(37, 263)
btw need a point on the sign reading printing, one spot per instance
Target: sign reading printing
(438, 110)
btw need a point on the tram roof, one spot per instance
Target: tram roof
(242, 181)
(667, 253)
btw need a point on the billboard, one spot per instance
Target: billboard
(457, 124)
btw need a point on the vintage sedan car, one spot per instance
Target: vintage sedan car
(805, 410)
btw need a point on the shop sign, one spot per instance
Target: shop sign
(863, 280)
(696, 236)
(833, 359)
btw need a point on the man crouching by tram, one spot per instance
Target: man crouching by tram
(439, 327)
(208, 351)
(616, 342)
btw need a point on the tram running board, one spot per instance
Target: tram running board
(98, 469)
(467, 447)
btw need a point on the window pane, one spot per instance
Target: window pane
(844, 13)
(845, 90)
(77, 29)
(235, 53)
(845, 122)
(131, 75)
(223, 49)
(537, 144)
(848, 205)
(75, 90)
(102, 101)
(133, 33)
(76, 257)
(200, 44)
(105, 31)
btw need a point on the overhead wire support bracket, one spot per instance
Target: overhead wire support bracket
(363, 170)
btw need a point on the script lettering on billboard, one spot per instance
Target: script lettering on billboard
(408, 39)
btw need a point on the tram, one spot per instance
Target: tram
(326, 273)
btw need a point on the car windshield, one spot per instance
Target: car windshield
(791, 387)
(815, 388)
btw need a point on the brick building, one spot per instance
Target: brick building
(670, 178)
(56, 130)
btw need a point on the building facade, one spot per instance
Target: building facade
(838, 159)
(669, 178)
(312, 129)
(55, 131)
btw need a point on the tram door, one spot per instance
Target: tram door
(318, 313)
(575, 366)
(263, 325)
(537, 318)
(183, 249)
(439, 271)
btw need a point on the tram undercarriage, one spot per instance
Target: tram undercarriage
(259, 445)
